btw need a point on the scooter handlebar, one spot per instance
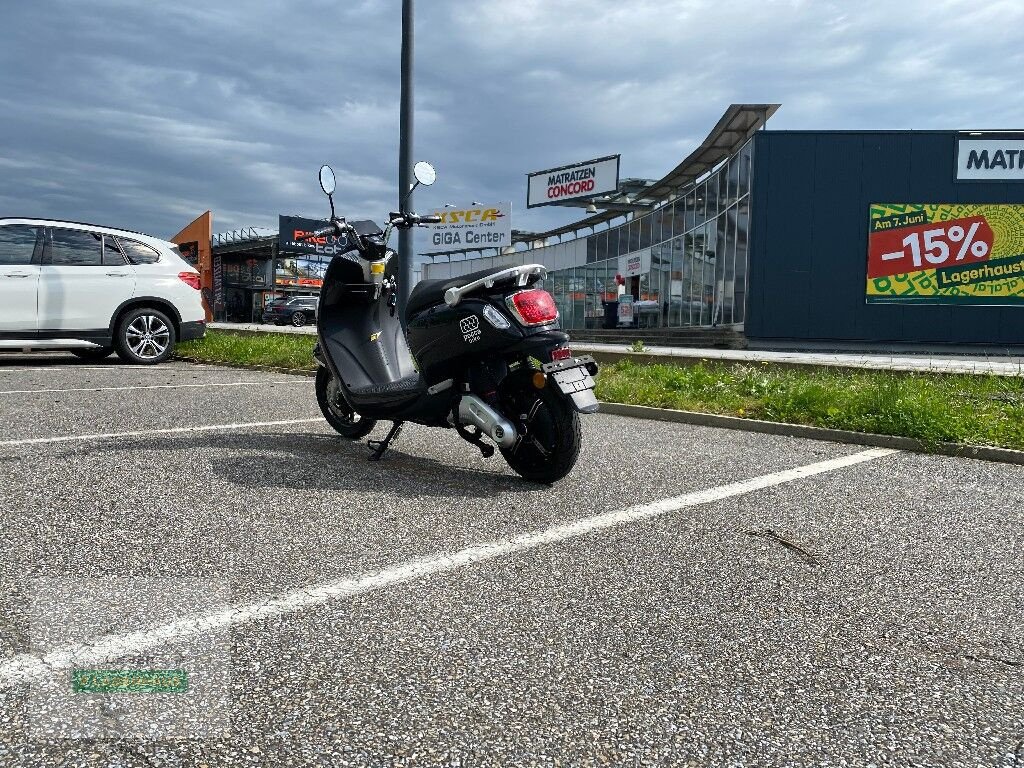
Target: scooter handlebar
(403, 220)
(331, 229)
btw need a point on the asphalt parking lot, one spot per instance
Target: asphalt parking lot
(433, 608)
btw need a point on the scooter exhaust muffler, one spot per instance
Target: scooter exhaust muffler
(473, 410)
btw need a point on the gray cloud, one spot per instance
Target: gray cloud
(145, 114)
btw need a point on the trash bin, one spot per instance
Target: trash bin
(611, 314)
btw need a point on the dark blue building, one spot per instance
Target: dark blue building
(812, 193)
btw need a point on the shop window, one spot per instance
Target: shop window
(700, 205)
(722, 301)
(709, 257)
(611, 288)
(667, 214)
(656, 219)
(729, 255)
(742, 251)
(679, 215)
(577, 295)
(645, 223)
(591, 249)
(693, 270)
(602, 246)
(745, 159)
(680, 284)
(732, 181)
(613, 242)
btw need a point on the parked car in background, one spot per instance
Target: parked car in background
(95, 290)
(298, 311)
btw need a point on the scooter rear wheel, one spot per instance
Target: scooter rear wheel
(345, 421)
(548, 425)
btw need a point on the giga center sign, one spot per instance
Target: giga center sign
(471, 227)
(555, 185)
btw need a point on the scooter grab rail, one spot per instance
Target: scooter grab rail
(521, 274)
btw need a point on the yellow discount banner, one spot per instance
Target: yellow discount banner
(946, 254)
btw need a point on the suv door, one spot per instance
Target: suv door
(83, 280)
(20, 249)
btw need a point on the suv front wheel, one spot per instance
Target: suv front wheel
(144, 336)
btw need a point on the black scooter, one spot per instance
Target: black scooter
(481, 353)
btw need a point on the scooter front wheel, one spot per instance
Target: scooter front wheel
(548, 426)
(345, 421)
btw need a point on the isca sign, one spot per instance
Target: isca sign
(479, 225)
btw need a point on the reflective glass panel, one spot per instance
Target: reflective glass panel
(700, 205)
(634, 236)
(645, 231)
(742, 249)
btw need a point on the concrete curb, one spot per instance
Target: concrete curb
(245, 367)
(959, 450)
(244, 330)
(684, 361)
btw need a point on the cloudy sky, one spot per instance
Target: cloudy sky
(144, 114)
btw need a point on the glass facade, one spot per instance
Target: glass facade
(685, 262)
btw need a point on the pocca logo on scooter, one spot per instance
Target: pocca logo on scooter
(470, 327)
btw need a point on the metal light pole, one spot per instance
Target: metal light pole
(405, 160)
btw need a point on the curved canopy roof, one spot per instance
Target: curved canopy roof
(730, 133)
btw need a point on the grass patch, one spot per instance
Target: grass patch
(278, 350)
(933, 408)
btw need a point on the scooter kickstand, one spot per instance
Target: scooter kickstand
(379, 447)
(486, 450)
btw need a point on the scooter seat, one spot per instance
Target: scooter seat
(428, 293)
(404, 387)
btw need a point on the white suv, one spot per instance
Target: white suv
(95, 290)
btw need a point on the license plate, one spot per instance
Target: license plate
(573, 380)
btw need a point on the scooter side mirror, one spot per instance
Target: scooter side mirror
(424, 173)
(327, 181)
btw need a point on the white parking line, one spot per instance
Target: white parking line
(26, 667)
(153, 386)
(146, 432)
(14, 368)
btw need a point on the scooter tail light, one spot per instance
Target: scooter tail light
(191, 278)
(562, 353)
(533, 307)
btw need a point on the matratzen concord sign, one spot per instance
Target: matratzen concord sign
(556, 185)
